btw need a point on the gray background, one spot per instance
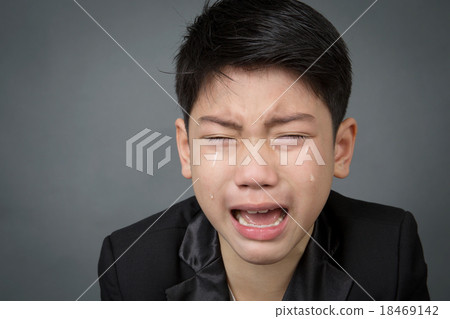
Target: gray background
(70, 98)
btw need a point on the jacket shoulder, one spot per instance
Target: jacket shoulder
(379, 245)
(134, 257)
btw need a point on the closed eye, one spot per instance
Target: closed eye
(218, 138)
(293, 137)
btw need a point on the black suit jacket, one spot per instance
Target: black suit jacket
(372, 252)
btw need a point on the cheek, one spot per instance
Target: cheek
(310, 169)
(319, 179)
(308, 178)
(214, 172)
(210, 189)
(318, 173)
(310, 185)
(206, 188)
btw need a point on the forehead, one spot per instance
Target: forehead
(257, 93)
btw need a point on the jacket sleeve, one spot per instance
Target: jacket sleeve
(412, 280)
(107, 273)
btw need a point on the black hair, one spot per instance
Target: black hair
(263, 33)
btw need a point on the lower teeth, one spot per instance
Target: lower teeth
(242, 221)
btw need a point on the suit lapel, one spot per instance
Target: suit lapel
(317, 277)
(210, 283)
(200, 250)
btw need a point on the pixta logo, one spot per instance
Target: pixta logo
(220, 149)
(144, 145)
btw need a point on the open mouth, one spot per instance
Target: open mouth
(259, 219)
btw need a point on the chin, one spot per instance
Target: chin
(260, 255)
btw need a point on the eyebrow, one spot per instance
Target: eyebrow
(289, 118)
(272, 122)
(217, 120)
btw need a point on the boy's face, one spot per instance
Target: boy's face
(251, 164)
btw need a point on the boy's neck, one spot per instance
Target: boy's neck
(260, 282)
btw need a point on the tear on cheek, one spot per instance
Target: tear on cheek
(311, 178)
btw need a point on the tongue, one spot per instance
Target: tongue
(262, 218)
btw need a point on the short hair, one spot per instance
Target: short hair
(265, 33)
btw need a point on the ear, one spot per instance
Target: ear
(344, 146)
(183, 148)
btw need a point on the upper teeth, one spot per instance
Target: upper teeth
(257, 211)
(242, 221)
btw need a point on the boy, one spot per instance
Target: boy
(262, 137)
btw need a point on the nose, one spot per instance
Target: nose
(256, 173)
